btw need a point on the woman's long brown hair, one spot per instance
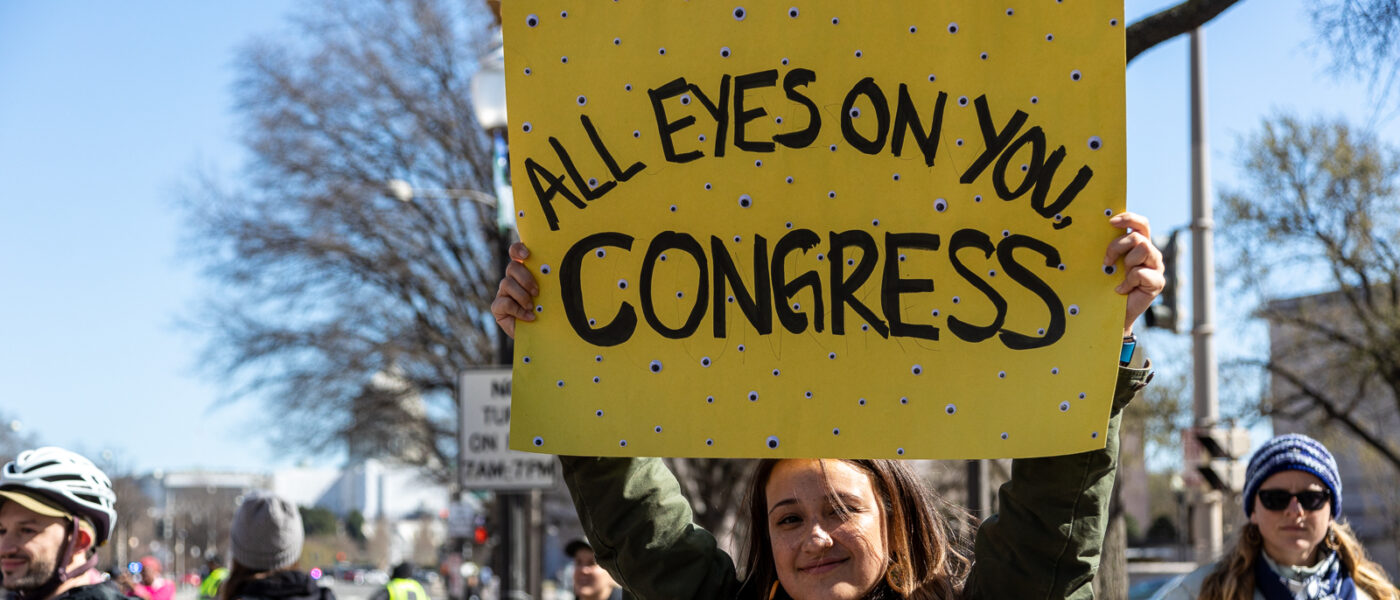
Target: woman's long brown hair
(928, 559)
(1233, 577)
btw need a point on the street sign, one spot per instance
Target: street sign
(487, 462)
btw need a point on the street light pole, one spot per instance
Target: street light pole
(520, 513)
(1205, 403)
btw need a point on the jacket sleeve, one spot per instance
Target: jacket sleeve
(641, 529)
(1046, 540)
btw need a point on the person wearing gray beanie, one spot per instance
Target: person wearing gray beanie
(1293, 546)
(266, 538)
(267, 533)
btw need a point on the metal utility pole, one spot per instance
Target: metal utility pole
(1208, 511)
(979, 491)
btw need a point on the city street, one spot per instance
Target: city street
(343, 591)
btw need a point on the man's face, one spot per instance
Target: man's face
(590, 580)
(29, 546)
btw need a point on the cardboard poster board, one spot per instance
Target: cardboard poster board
(816, 228)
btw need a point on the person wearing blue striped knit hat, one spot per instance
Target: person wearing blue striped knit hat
(1293, 547)
(1293, 452)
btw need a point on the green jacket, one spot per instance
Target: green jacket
(1044, 544)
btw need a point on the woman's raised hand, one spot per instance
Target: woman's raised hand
(1145, 276)
(515, 298)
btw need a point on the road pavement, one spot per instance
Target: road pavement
(343, 591)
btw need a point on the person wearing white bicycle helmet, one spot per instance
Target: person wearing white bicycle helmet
(56, 509)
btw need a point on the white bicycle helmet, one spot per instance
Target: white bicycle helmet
(67, 479)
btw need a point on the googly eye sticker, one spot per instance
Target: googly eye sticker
(655, 366)
(771, 442)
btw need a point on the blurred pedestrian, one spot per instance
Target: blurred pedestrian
(591, 582)
(56, 510)
(401, 586)
(213, 580)
(153, 585)
(1293, 547)
(266, 539)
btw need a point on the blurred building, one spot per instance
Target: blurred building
(188, 516)
(190, 511)
(1371, 498)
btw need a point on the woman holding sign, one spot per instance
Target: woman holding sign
(1292, 546)
(836, 528)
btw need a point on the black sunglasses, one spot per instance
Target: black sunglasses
(1309, 499)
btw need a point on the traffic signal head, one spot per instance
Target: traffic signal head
(480, 535)
(1165, 313)
(1219, 466)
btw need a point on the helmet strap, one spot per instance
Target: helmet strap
(61, 574)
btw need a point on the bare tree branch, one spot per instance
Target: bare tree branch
(1171, 22)
(1323, 400)
(327, 285)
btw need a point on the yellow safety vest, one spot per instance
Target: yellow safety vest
(406, 589)
(210, 587)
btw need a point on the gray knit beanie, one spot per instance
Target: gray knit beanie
(267, 533)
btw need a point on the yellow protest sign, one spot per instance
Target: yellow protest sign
(816, 228)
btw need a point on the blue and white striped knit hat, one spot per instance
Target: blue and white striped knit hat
(1292, 452)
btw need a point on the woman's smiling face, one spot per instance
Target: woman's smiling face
(825, 547)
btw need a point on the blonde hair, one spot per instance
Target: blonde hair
(1233, 577)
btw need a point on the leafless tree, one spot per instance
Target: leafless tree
(1364, 36)
(325, 280)
(13, 438)
(1321, 212)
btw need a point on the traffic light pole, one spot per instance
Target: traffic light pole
(1206, 405)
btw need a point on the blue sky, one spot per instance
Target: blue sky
(107, 108)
